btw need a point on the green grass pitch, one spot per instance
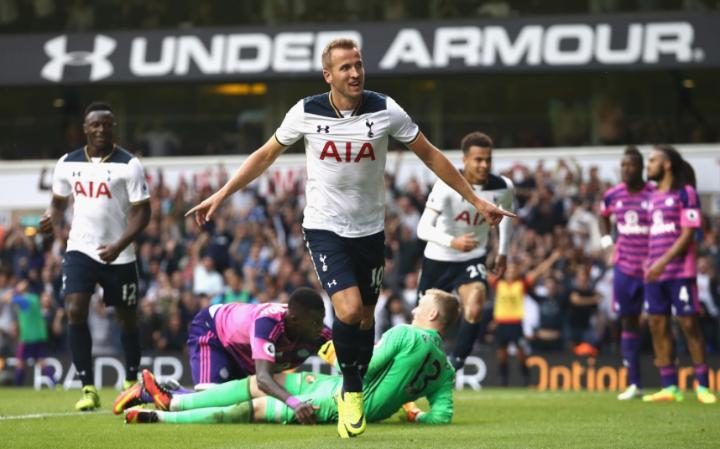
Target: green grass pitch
(492, 418)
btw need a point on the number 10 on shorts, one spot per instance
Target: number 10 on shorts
(376, 277)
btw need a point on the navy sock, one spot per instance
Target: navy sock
(366, 342)
(464, 342)
(346, 339)
(81, 347)
(131, 346)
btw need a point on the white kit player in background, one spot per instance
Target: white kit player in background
(457, 239)
(345, 132)
(111, 207)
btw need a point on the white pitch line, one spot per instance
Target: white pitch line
(52, 415)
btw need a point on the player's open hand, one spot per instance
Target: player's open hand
(305, 413)
(205, 210)
(466, 242)
(46, 224)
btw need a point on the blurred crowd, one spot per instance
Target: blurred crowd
(84, 15)
(254, 252)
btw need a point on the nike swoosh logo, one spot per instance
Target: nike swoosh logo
(359, 422)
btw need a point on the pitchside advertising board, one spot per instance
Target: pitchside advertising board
(606, 42)
(555, 372)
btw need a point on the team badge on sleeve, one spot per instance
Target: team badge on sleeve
(690, 218)
(269, 349)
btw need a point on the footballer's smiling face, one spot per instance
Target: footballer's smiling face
(98, 129)
(346, 76)
(476, 164)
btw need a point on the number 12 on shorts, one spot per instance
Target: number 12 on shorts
(129, 294)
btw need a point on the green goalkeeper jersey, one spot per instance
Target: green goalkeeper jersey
(407, 364)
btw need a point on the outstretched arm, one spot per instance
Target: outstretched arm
(441, 406)
(544, 266)
(304, 411)
(251, 168)
(445, 170)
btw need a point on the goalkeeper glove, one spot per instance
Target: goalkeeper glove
(327, 352)
(411, 411)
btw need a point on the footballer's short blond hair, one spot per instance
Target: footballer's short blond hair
(447, 304)
(346, 44)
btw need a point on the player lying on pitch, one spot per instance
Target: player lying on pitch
(408, 363)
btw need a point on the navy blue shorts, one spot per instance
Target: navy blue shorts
(36, 350)
(448, 276)
(678, 297)
(342, 262)
(210, 362)
(81, 274)
(628, 293)
(506, 333)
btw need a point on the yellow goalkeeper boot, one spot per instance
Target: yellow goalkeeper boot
(90, 400)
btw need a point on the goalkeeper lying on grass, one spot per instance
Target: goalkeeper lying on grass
(407, 364)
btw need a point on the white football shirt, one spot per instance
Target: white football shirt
(455, 217)
(103, 191)
(346, 154)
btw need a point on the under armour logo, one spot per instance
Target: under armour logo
(322, 261)
(325, 128)
(75, 173)
(100, 67)
(332, 284)
(369, 125)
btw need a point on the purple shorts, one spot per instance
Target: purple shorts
(35, 351)
(676, 296)
(209, 361)
(628, 293)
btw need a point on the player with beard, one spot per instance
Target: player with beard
(671, 270)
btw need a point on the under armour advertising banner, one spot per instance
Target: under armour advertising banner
(561, 43)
